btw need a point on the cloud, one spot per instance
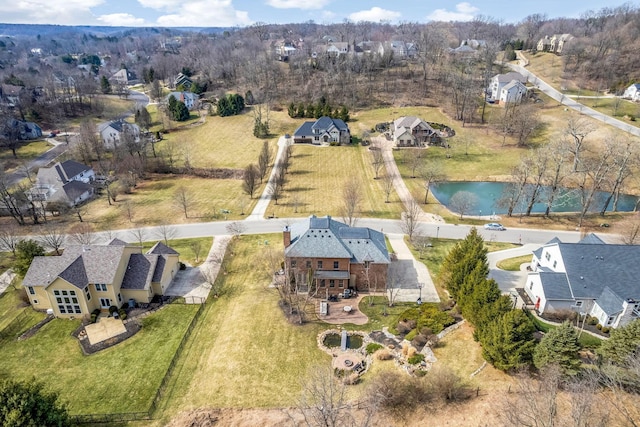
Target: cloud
(298, 4)
(464, 12)
(161, 4)
(63, 12)
(375, 14)
(121, 20)
(203, 13)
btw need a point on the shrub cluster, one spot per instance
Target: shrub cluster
(230, 105)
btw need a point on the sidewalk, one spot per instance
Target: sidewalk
(6, 279)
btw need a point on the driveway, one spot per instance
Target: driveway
(190, 283)
(508, 281)
(406, 273)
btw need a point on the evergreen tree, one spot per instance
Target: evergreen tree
(559, 346)
(248, 97)
(508, 342)
(27, 404)
(26, 250)
(622, 344)
(224, 107)
(301, 112)
(461, 260)
(105, 86)
(343, 114)
(479, 293)
(291, 110)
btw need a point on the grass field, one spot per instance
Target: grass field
(11, 305)
(153, 202)
(317, 177)
(513, 264)
(123, 378)
(185, 248)
(26, 152)
(244, 353)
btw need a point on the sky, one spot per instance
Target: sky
(230, 13)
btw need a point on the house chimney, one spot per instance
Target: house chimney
(286, 234)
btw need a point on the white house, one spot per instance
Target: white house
(501, 80)
(632, 92)
(112, 133)
(512, 92)
(68, 182)
(411, 131)
(588, 277)
(189, 99)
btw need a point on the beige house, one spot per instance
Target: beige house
(89, 277)
(411, 131)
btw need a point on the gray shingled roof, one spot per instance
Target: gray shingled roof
(74, 189)
(555, 286)
(506, 78)
(117, 242)
(160, 263)
(72, 168)
(304, 130)
(327, 238)
(139, 272)
(76, 274)
(592, 239)
(609, 302)
(162, 249)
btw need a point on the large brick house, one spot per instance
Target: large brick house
(87, 277)
(330, 256)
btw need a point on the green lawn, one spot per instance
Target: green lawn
(244, 353)
(513, 264)
(185, 248)
(12, 306)
(380, 314)
(26, 151)
(6, 261)
(317, 177)
(123, 378)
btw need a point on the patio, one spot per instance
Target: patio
(107, 327)
(336, 311)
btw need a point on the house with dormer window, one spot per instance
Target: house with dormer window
(89, 277)
(589, 277)
(323, 131)
(328, 256)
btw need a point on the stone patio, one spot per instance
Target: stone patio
(107, 327)
(337, 315)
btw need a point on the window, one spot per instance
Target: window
(547, 256)
(555, 263)
(531, 285)
(578, 303)
(308, 264)
(35, 301)
(119, 298)
(322, 283)
(69, 309)
(31, 290)
(87, 293)
(366, 264)
(56, 293)
(319, 265)
(332, 283)
(341, 283)
(101, 287)
(610, 320)
(105, 302)
(293, 263)
(336, 265)
(65, 293)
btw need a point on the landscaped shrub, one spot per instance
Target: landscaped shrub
(372, 347)
(599, 327)
(419, 341)
(411, 335)
(592, 321)
(383, 355)
(122, 313)
(113, 309)
(605, 330)
(561, 315)
(94, 318)
(415, 359)
(445, 384)
(427, 316)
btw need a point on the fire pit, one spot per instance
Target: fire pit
(348, 363)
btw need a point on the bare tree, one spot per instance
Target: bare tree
(82, 234)
(410, 219)
(236, 228)
(557, 152)
(578, 129)
(387, 185)
(431, 171)
(9, 238)
(264, 160)
(324, 400)
(139, 234)
(462, 202)
(184, 200)
(351, 200)
(625, 159)
(377, 157)
(591, 180)
(630, 228)
(209, 271)
(415, 158)
(166, 232)
(52, 237)
(196, 248)
(250, 180)
(127, 206)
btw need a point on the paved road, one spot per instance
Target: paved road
(569, 102)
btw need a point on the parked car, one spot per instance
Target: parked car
(494, 226)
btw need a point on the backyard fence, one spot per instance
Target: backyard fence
(134, 416)
(14, 327)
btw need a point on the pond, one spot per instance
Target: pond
(489, 194)
(333, 340)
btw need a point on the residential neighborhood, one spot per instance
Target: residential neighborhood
(374, 215)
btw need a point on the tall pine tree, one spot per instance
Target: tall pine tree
(560, 347)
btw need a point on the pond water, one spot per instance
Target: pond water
(333, 340)
(489, 194)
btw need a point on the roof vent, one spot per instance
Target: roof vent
(581, 277)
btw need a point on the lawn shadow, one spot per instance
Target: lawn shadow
(297, 189)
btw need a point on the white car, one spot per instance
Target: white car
(494, 226)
